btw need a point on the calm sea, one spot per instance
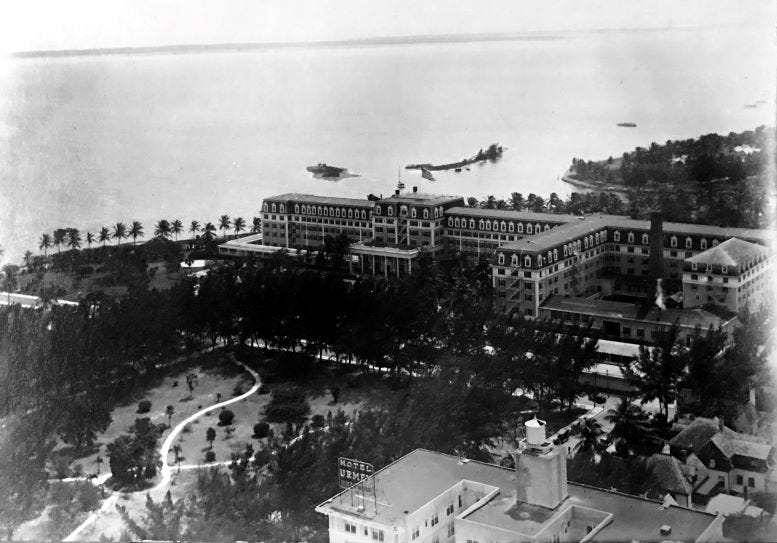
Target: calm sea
(89, 141)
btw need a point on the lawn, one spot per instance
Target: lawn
(215, 375)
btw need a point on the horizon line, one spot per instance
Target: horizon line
(419, 39)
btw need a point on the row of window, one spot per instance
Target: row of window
(377, 535)
(645, 239)
(495, 225)
(568, 250)
(403, 211)
(306, 209)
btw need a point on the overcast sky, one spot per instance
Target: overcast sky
(83, 24)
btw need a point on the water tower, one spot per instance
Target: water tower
(541, 468)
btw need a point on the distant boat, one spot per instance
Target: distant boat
(628, 125)
(325, 171)
(751, 106)
(457, 170)
(400, 185)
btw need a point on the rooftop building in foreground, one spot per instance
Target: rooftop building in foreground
(430, 497)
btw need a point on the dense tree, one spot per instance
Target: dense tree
(162, 229)
(629, 431)
(133, 457)
(60, 238)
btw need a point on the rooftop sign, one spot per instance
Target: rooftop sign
(351, 472)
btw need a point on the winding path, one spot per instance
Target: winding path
(164, 452)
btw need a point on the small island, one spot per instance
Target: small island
(330, 173)
(493, 152)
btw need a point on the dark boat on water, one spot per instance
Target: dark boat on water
(628, 125)
(325, 171)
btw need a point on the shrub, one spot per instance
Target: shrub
(287, 404)
(261, 430)
(238, 390)
(210, 456)
(144, 406)
(318, 421)
(226, 417)
(263, 389)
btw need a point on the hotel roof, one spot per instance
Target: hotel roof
(622, 310)
(559, 235)
(732, 252)
(422, 475)
(509, 214)
(420, 198)
(313, 199)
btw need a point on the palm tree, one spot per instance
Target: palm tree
(177, 453)
(209, 231)
(224, 224)
(73, 238)
(194, 228)
(119, 232)
(176, 228)
(59, 237)
(98, 461)
(629, 425)
(90, 239)
(238, 225)
(44, 244)
(136, 231)
(105, 235)
(256, 225)
(590, 432)
(162, 229)
(27, 258)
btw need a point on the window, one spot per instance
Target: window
(481, 225)
(350, 528)
(539, 261)
(450, 220)
(537, 228)
(565, 251)
(585, 243)
(488, 225)
(426, 214)
(631, 237)
(520, 228)
(451, 530)
(364, 214)
(715, 243)
(724, 269)
(673, 241)
(688, 243)
(501, 259)
(712, 462)
(459, 501)
(511, 227)
(273, 208)
(527, 262)
(296, 208)
(472, 224)
(640, 332)
(740, 480)
(449, 510)
(694, 266)
(616, 236)
(435, 520)
(414, 213)
(514, 260)
(529, 229)
(377, 535)
(416, 532)
(390, 211)
(503, 226)
(751, 482)
(703, 244)
(555, 254)
(264, 207)
(645, 239)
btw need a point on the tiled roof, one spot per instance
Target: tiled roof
(559, 235)
(314, 199)
(732, 252)
(668, 470)
(696, 435)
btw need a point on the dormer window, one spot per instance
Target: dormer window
(414, 213)
(550, 257)
(596, 238)
(403, 211)
(715, 243)
(436, 212)
(472, 224)
(645, 239)
(688, 243)
(326, 212)
(264, 207)
(520, 228)
(391, 211)
(694, 266)
(481, 225)
(320, 210)
(527, 261)
(631, 237)
(337, 212)
(539, 261)
(709, 268)
(616, 236)
(537, 228)
(503, 226)
(488, 225)
(426, 213)
(457, 222)
(585, 243)
(296, 208)
(450, 220)
(673, 241)
(603, 236)
(514, 260)
(555, 254)
(274, 208)
(724, 270)
(501, 259)
(703, 244)
(529, 229)
(511, 227)
(547, 227)
(364, 214)
(565, 251)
